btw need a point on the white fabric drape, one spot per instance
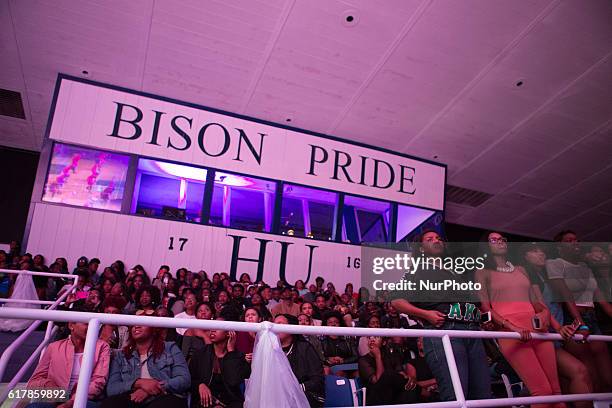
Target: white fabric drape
(272, 382)
(24, 289)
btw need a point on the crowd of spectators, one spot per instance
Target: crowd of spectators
(155, 367)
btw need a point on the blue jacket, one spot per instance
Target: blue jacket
(170, 367)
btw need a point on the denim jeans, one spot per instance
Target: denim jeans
(471, 362)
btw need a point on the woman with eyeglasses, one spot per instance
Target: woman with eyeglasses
(517, 306)
(218, 371)
(445, 311)
(148, 372)
(573, 282)
(191, 304)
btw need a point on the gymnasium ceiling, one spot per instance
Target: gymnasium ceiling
(514, 96)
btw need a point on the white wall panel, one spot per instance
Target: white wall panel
(70, 232)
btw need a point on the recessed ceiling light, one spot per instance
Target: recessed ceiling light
(519, 83)
(350, 18)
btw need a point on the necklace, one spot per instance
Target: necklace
(289, 351)
(507, 269)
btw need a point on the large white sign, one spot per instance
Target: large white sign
(61, 231)
(103, 117)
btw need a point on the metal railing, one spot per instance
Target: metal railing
(10, 350)
(95, 320)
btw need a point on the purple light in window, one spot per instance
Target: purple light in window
(233, 180)
(192, 173)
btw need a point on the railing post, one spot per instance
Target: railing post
(8, 352)
(87, 364)
(452, 367)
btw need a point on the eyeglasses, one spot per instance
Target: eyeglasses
(148, 312)
(498, 240)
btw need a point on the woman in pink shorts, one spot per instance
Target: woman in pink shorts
(515, 306)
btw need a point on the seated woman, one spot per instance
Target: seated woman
(304, 362)
(167, 334)
(313, 339)
(195, 339)
(191, 304)
(385, 378)
(217, 371)
(79, 292)
(337, 349)
(245, 341)
(147, 298)
(60, 365)
(257, 302)
(147, 373)
(308, 309)
(93, 301)
(424, 377)
(115, 336)
(373, 322)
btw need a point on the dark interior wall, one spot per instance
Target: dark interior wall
(462, 233)
(18, 171)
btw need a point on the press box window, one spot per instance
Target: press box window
(169, 190)
(408, 219)
(307, 212)
(242, 202)
(365, 220)
(86, 177)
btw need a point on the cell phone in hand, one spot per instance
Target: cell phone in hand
(537, 323)
(485, 317)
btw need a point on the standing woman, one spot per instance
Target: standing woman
(574, 375)
(449, 315)
(574, 282)
(507, 292)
